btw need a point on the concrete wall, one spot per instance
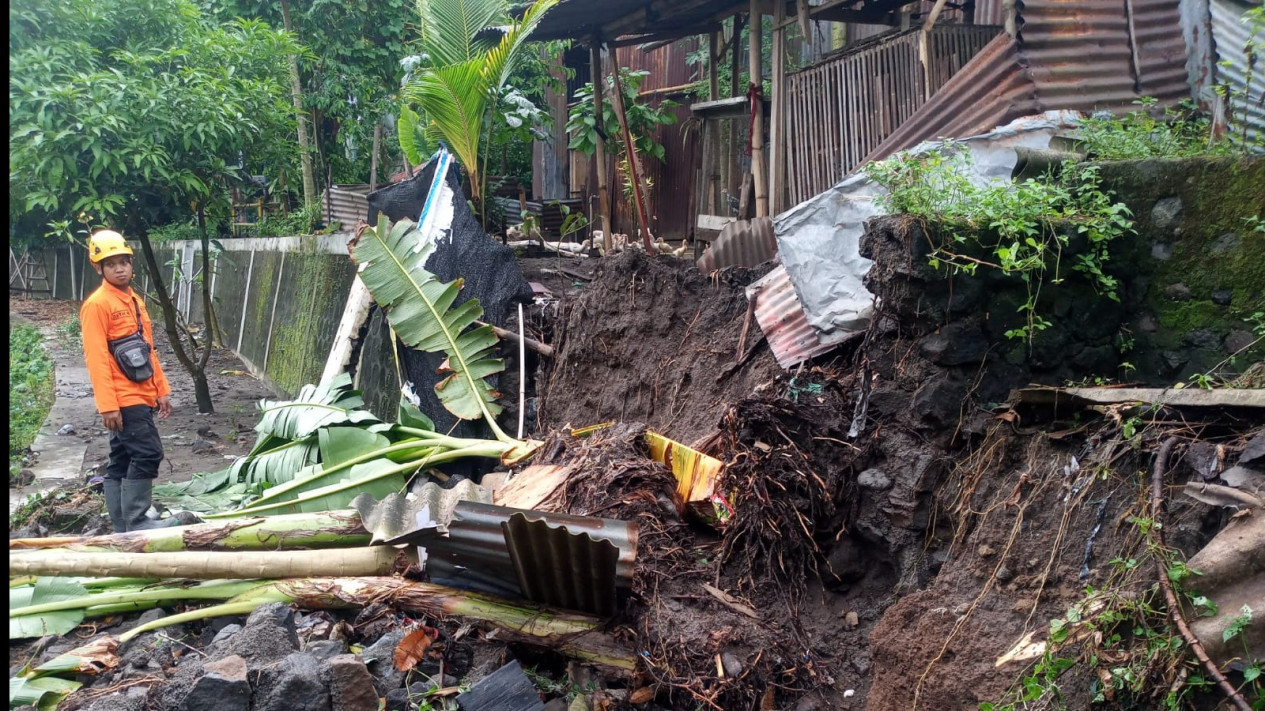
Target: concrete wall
(278, 302)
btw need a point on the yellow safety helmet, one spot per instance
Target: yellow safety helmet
(106, 243)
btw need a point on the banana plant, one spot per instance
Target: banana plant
(466, 70)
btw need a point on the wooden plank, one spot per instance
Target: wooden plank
(713, 222)
(538, 487)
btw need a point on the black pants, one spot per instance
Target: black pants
(136, 452)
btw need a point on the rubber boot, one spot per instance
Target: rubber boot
(114, 504)
(136, 499)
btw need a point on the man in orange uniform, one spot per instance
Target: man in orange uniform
(108, 317)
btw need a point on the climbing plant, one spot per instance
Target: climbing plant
(1019, 229)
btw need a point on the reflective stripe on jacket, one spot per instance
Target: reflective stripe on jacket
(108, 313)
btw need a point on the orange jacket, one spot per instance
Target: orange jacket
(108, 313)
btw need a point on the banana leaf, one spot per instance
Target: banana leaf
(392, 261)
(45, 590)
(43, 693)
(316, 406)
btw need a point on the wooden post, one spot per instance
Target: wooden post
(758, 170)
(373, 161)
(634, 169)
(713, 56)
(777, 120)
(730, 181)
(603, 194)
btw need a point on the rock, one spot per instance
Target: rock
(325, 649)
(207, 433)
(1161, 251)
(66, 429)
(268, 636)
(379, 658)
(861, 664)
(874, 479)
(1177, 292)
(1166, 216)
(351, 685)
(1174, 359)
(222, 687)
(294, 685)
(986, 551)
(1147, 323)
(1004, 574)
(1203, 338)
(958, 343)
(398, 700)
(938, 402)
(202, 446)
(225, 632)
(1245, 478)
(559, 704)
(851, 620)
(1236, 341)
(732, 664)
(506, 689)
(1222, 297)
(1227, 242)
(119, 701)
(1254, 451)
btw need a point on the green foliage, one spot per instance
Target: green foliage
(303, 221)
(1178, 133)
(643, 118)
(1021, 227)
(30, 389)
(469, 51)
(1125, 640)
(128, 129)
(350, 77)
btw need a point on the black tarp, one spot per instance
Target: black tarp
(488, 267)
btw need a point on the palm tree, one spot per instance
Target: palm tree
(466, 66)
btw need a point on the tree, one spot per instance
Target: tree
(469, 50)
(130, 110)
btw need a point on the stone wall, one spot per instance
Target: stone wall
(1192, 289)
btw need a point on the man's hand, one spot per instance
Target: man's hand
(164, 407)
(113, 420)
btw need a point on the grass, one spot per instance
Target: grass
(30, 390)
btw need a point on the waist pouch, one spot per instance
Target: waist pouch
(132, 353)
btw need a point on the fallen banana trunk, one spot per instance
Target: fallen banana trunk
(573, 634)
(203, 565)
(326, 529)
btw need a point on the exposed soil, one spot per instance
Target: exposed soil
(886, 569)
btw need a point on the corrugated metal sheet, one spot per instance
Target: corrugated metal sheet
(840, 110)
(742, 243)
(346, 204)
(781, 317)
(559, 567)
(1083, 55)
(474, 551)
(1231, 37)
(427, 506)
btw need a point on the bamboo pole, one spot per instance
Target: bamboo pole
(758, 171)
(603, 192)
(777, 121)
(634, 167)
(204, 565)
(327, 529)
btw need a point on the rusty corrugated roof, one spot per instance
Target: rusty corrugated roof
(781, 318)
(347, 204)
(1084, 55)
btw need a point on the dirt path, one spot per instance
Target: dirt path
(73, 443)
